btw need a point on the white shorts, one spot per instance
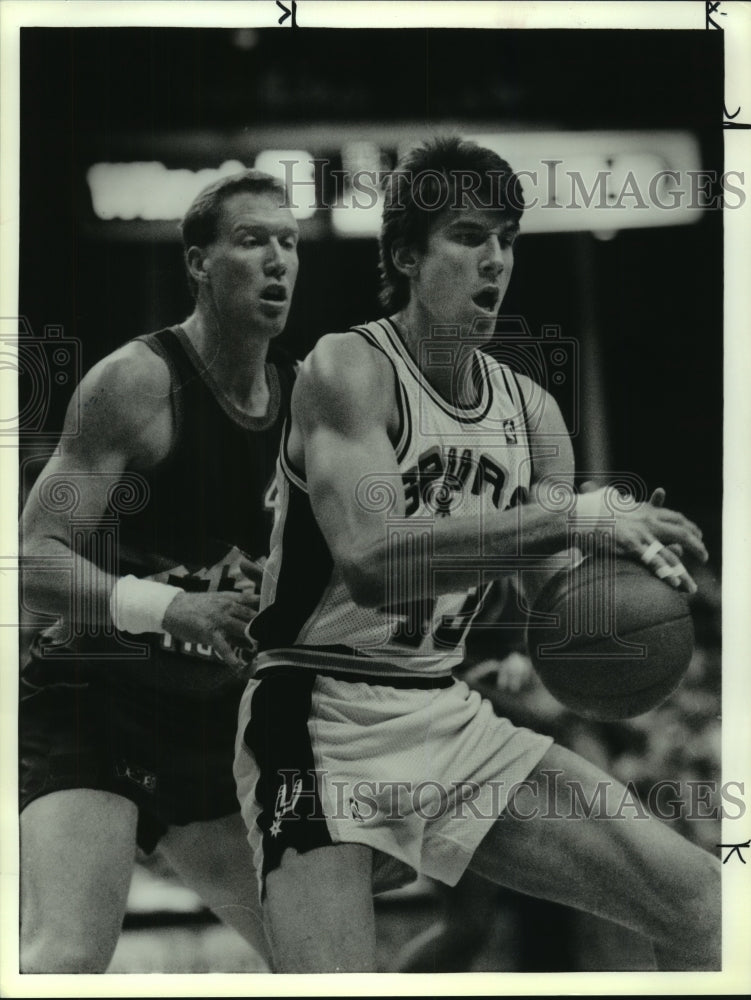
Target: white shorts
(418, 774)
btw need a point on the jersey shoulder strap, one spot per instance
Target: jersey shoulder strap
(401, 437)
(166, 344)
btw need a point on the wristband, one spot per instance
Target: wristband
(139, 605)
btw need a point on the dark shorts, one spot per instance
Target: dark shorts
(171, 757)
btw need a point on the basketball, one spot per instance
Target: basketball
(609, 639)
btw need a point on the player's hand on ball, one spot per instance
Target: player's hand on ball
(658, 537)
(218, 619)
(658, 500)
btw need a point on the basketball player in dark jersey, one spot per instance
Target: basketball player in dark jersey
(129, 711)
(410, 463)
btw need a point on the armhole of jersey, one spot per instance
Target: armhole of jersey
(287, 375)
(486, 380)
(155, 345)
(525, 418)
(402, 437)
(293, 474)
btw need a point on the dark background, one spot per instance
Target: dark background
(654, 295)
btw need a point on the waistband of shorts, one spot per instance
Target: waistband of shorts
(426, 682)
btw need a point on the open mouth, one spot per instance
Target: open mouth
(487, 298)
(274, 293)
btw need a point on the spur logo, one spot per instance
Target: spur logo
(285, 804)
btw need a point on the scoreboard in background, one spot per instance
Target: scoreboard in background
(573, 181)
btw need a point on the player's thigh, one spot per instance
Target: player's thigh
(319, 910)
(635, 871)
(214, 859)
(77, 852)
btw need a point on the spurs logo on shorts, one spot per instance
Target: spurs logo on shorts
(284, 805)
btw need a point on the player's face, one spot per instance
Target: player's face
(465, 269)
(252, 263)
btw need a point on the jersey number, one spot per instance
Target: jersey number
(418, 615)
(271, 496)
(418, 622)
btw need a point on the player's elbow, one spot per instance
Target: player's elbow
(364, 580)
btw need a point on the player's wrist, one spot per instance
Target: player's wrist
(138, 606)
(591, 509)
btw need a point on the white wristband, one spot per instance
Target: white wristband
(591, 507)
(139, 605)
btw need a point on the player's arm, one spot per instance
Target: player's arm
(116, 409)
(645, 527)
(122, 413)
(343, 406)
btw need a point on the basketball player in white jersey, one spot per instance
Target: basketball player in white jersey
(410, 458)
(119, 750)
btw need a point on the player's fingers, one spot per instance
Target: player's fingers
(674, 517)
(691, 544)
(243, 604)
(658, 497)
(677, 548)
(239, 660)
(252, 571)
(245, 609)
(667, 566)
(251, 642)
(673, 528)
(674, 570)
(226, 652)
(239, 616)
(236, 629)
(248, 597)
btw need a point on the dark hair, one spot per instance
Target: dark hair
(442, 173)
(201, 221)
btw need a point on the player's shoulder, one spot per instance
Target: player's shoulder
(536, 399)
(122, 397)
(338, 350)
(343, 375)
(346, 363)
(527, 386)
(132, 373)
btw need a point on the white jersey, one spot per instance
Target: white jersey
(452, 461)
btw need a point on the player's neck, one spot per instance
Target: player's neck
(237, 361)
(446, 379)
